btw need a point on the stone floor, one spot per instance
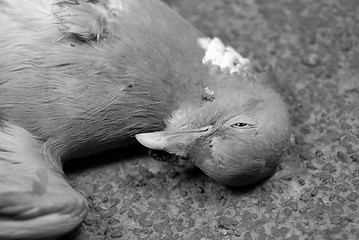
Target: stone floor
(313, 46)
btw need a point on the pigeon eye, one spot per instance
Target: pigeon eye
(240, 125)
(242, 122)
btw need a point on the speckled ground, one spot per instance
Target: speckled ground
(313, 46)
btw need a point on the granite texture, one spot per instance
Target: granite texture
(313, 46)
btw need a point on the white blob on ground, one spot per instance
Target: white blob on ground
(223, 56)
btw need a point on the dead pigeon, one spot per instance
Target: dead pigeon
(80, 77)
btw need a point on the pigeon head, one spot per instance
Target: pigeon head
(247, 139)
(238, 132)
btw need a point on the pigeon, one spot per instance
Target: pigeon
(79, 77)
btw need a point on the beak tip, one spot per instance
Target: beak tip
(141, 138)
(138, 136)
(149, 140)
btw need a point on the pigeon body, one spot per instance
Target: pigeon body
(81, 77)
(74, 92)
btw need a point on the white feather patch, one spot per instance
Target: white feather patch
(222, 56)
(87, 21)
(20, 161)
(39, 185)
(119, 5)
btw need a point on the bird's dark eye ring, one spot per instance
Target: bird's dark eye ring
(239, 125)
(242, 122)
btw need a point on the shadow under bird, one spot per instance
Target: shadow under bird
(81, 77)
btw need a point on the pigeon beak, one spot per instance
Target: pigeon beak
(174, 142)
